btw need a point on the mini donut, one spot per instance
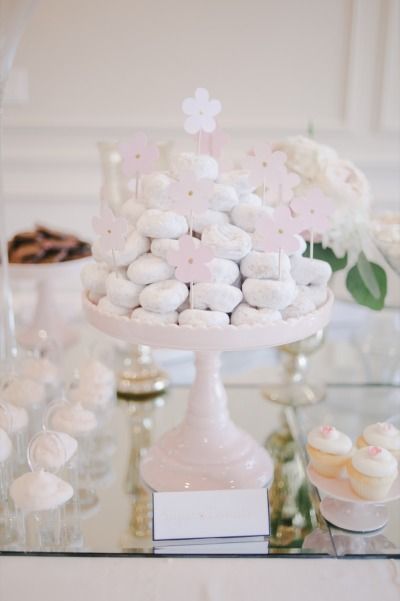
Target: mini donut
(223, 270)
(210, 217)
(250, 199)
(316, 293)
(217, 297)
(199, 319)
(262, 265)
(93, 278)
(247, 216)
(161, 224)
(93, 297)
(163, 297)
(135, 245)
(301, 305)
(161, 246)
(150, 317)
(227, 241)
(122, 292)
(270, 294)
(155, 190)
(132, 209)
(106, 306)
(148, 269)
(203, 165)
(310, 271)
(224, 198)
(239, 179)
(244, 314)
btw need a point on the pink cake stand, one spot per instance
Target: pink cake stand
(343, 508)
(207, 450)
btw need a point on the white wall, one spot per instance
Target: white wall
(101, 69)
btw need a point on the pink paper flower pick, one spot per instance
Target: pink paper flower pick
(201, 112)
(111, 230)
(280, 183)
(260, 162)
(214, 142)
(278, 233)
(138, 156)
(314, 211)
(191, 195)
(191, 261)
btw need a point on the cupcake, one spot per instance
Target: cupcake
(372, 471)
(382, 434)
(329, 450)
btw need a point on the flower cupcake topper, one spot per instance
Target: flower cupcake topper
(138, 157)
(191, 195)
(111, 230)
(315, 211)
(191, 261)
(200, 114)
(374, 451)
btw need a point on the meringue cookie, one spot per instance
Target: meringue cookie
(227, 241)
(239, 179)
(150, 317)
(106, 306)
(94, 372)
(203, 165)
(40, 369)
(301, 305)
(93, 278)
(155, 189)
(163, 297)
(132, 209)
(92, 397)
(25, 392)
(209, 217)
(135, 245)
(148, 269)
(12, 418)
(39, 491)
(223, 271)
(5, 446)
(122, 292)
(224, 198)
(262, 265)
(73, 419)
(199, 319)
(244, 314)
(317, 294)
(216, 296)
(162, 224)
(246, 216)
(52, 450)
(161, 246)
(270, 294)
(307, 271)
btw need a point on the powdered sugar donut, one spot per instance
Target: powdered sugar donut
(203, 165)
(161, 224)
(210, 217)
(148, 269)
(310, 271)
(135, 245)
(106, 306)
(247, 216)
(122, 292)
(132, 209)
(163, 297)
(217, 297)
(223, 270)
(155, 190)
(270, 294)
(317, 294)
(227, 241)
(250, 199)
(199, 319)
(262, 265)
(93, 278)
(301, 305)
(150, 317)
(239, 179)
(244, 314)
(224, 198)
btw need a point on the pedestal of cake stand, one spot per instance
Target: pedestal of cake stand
(344, 509)
(207, 450)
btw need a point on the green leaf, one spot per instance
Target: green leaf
(367, 275)
(327, 254)
(358, 288)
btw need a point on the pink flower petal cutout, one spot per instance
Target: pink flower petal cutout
(191, 260)
(279, 231)
(138, 156)
(191, 195)
(201, 112)
(110, 229)
(315, 210)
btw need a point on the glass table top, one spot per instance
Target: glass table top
(121, 522)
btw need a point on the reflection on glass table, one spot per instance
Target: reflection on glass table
(122, 522)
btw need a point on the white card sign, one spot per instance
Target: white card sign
(210, 514)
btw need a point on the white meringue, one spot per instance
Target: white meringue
(52, 450)
(39, 491)
(73, 419)
(12, 418)
(5, 446)
(24, 392)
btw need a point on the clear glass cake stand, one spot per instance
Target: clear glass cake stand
(207, 450)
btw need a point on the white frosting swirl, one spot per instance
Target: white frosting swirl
(38, 491)
(93, 397)
(12, 418)
(383, 434)
(5, 445)
(51, 450)
(25, 392)
(375, 462)
(41, 370)
(73, 419)
(329, 440)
